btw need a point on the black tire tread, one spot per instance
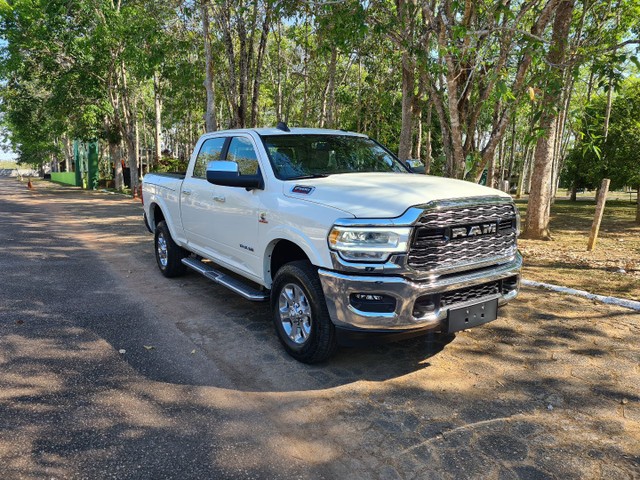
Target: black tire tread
(175, 254)
(323, 342)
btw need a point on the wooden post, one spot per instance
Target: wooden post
(600, 201)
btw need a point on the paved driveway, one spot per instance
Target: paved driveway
(203, 390)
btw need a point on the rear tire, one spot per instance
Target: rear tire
(300, 314)
(168, 255)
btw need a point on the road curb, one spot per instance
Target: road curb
(621, 302)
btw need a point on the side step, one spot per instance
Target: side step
(228, 281)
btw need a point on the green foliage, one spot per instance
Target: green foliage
(58, 71)
(170, 164)
(618, 156)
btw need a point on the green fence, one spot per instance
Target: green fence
(68, 178)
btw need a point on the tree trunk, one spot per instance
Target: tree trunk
(210, 120)
(331, 89)
(555, 160)
(408, 85)
(560, 146)
(529, 172)
(512, 153)
(437, 101)
(305, 72)
(278, 80)
(243, 66)
(523, 174)
(607, 113)
(359, 92)
(417, 150)
(116, 159)
(638, 203)
(157, 139)
(68, 154)
(574, 192)
(223, 14)
(457, 164)
(128, 128)
(491, 169)
(427, 143)
(501, 155)
(590, 84)
(138, 158)
(147, 158)
(132, 160)
(257, 75)
(537, 225)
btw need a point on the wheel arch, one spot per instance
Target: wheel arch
(281, 251)
(156, 215)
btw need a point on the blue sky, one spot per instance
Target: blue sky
(4, 156)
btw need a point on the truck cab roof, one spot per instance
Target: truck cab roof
(292, 131)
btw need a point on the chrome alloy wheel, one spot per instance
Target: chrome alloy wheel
(162, 250)
(295, 313)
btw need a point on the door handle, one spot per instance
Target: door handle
(219, 198)
(186, 192)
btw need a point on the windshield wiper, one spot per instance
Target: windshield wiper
(311, 175)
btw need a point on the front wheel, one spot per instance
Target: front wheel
(168, 255)
(300, 313)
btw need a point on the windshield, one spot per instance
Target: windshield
(308, 156)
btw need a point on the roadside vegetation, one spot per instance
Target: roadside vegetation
(8, 165)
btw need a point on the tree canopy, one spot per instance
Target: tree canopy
(616, 156)
(467, 86)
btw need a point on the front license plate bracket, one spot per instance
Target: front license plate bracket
(472, 315)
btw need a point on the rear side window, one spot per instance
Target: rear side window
(210, 151)
(242, 152)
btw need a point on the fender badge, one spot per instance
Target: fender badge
(304, 190)
(263, 218)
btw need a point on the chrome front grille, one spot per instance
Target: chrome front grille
(439, 245)
(468, 294)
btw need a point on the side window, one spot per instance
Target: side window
(242, 152)
(211, 150)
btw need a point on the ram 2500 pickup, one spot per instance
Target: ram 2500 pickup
(337, 234)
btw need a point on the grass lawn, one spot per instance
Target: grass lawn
(8, 165)
(613, 268)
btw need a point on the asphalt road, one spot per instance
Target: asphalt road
(109, 370)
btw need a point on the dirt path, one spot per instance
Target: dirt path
(549, 390)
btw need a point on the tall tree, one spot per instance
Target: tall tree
(244, 33)
(210, 120)
(477, 70)
(538, 208)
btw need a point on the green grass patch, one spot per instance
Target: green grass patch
(8, 165)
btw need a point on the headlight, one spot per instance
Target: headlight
(518, 225)
(360, 244)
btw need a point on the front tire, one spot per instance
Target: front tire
(300, 313)
(168, 255)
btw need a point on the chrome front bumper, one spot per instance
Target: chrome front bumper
(339, 287)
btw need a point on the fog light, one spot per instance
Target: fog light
(510, 284)
(424, 305)
(373, 302)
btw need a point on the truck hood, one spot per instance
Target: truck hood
(382, 195)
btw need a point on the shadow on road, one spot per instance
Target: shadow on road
(204, 390)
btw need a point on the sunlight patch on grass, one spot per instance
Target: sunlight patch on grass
(613, 268)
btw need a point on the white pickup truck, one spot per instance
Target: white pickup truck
(337, 234)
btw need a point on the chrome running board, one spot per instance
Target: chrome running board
(232, 283)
